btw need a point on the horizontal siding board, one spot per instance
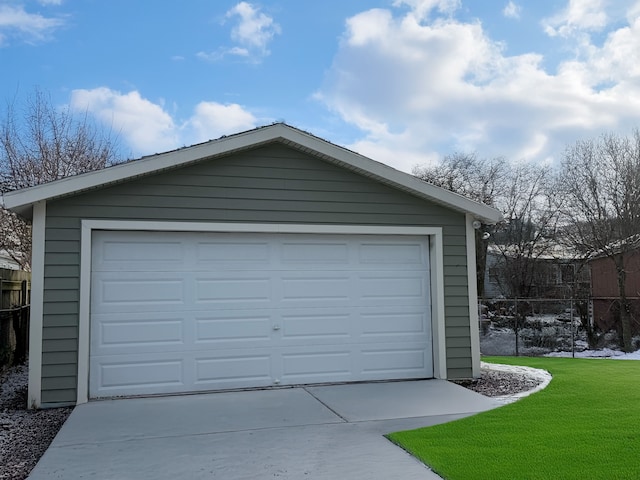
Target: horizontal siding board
(458, 362)
(51, 295)
(66, 234)
(459, 342)
(54, 396)
(272, 184)
(59, 358)
(61, 308)
(59, 333)
(458, 352)
(458, 321)
(455, 270)
(62, 320)
(66, 382)
(55, 258)
(456, 280)
(62, 271)
(62, 345)
(59, 370)
(62, 283)
(62, 246)
(457, 331)
(459, 373)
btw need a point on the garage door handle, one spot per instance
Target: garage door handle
(276, 327)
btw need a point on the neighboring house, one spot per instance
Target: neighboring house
(269, 257)
(605, 295)
(553, 274)
(7, 261)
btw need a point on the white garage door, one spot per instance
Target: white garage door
(179, 312)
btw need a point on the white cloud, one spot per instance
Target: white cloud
(512, 10)
(255, 29)
(142, 124)
(423, 8)
(147, 128)
(253, 33)
(15, 21)
(424, 89)
(212, 120)
(579, 15)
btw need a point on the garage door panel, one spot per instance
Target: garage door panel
(233, 369)
(229, 328)
(251, 310)
(332, 326)
(308, 365)
(138, 374)
(225, 255)
(393, 323)
(226, 290)
(412, 255)
(300, 255)
(398, 288)
(319, 289)
(393, 361)
(138, 332)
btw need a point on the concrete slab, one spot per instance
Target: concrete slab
(316, 452)
(126, 419)
(314, 433)
(380, 401)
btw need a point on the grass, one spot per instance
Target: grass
(584, 425)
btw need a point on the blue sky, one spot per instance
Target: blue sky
(404, 82)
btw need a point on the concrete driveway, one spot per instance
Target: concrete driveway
(321, 432)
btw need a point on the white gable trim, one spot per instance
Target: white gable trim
(21, 200)
(436, 252)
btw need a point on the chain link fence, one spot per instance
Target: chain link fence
(534, 327)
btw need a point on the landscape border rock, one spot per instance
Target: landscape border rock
(541, 377)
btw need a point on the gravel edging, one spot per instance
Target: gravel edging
(507, 383)
(24, 434)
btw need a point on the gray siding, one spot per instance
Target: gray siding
(272, 184)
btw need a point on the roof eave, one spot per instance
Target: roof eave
(21, 201)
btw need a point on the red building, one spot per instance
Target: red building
(605, 293)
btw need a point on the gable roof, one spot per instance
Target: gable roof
(21, 201)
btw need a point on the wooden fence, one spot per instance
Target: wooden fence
(15, 297)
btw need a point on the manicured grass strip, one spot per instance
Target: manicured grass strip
(584, 425)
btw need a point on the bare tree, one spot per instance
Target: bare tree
(482, 180)
(524, 195)
(600, 182)
(40, 144)
(528, 233)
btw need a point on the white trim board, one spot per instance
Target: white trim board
(436, 256)
(474, 327)
(37, 298)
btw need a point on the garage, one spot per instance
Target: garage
(176, 312)
(269, 257)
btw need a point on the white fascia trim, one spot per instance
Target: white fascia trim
(249, 139)
(38, 227)
(436, 265)
(474, 327)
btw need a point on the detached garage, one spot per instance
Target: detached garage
(266, 258)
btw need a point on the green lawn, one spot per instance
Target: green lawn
(585, 425)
